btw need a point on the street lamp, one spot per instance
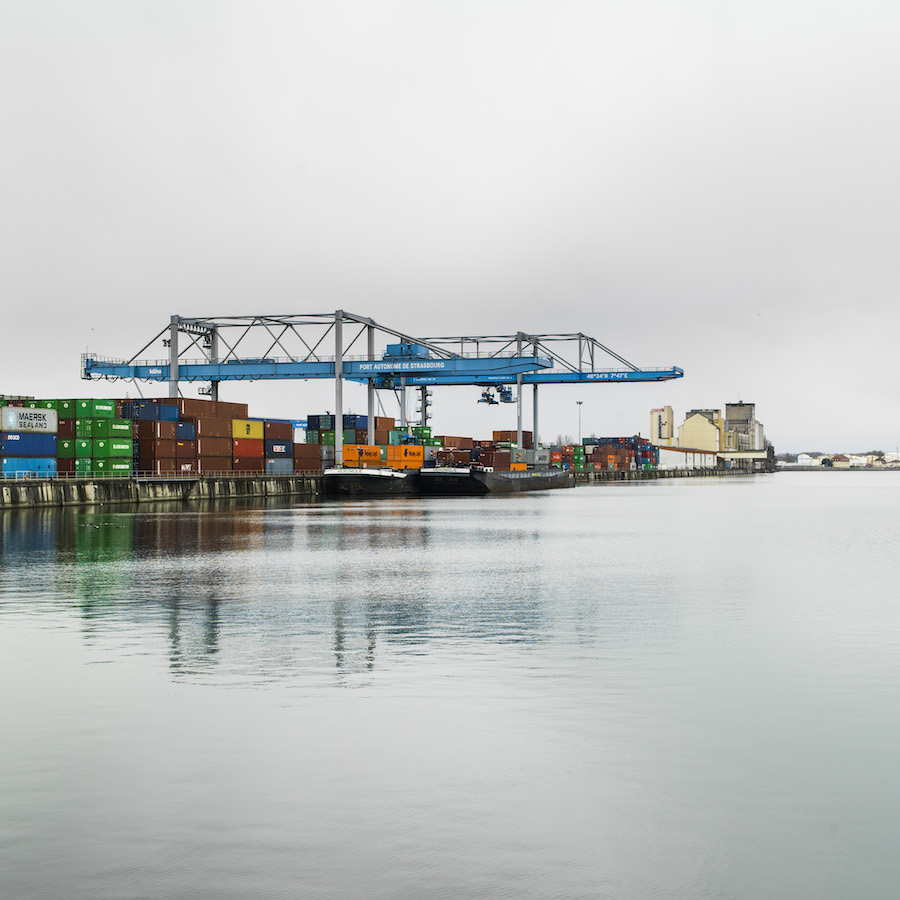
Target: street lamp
(579, 402)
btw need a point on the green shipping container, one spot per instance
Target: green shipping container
(349, 435)
(326, 437)
(84, 466)
(41, 404)
(106, 448)
(84, 428)
(111, 428)
(95, 409)
(65, 409)
(84, 449)
(65, 448)
(112, 467)
(312, 437)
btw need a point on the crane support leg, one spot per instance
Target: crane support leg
(338, 388)
(173, 356)
(534, 417)
(370, 437)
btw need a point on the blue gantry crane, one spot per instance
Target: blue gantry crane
(265, 348)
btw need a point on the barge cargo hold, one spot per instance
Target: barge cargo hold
(344, 482)
(473, 481)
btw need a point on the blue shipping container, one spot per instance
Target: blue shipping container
(167, 412)
(279, 449)
(186, 431)
(279, 466)
(31, 444)
(143, 410)
(43, 467)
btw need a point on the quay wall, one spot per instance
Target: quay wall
(102, 491)
(654, 475)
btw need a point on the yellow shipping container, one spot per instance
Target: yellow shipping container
(244, 428)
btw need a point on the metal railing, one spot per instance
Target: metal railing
(145, 475)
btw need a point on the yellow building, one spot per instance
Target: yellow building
(703, 429)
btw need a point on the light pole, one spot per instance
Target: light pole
(579, 402)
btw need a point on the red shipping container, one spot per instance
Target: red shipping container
(278, 431)
(307, 451)
(248, 448)
(252, 466)
(185, 449)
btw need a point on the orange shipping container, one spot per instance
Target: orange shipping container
(248, 448)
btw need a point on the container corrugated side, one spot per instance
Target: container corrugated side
(21, 419)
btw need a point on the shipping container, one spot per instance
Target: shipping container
(27, 444)
(142, 410)
(83, 465)
(231, 410)
(109, 448)
(213, 446)
(112, 467)
(217, 428)
(185, 450)
(65, 448)
(247, 429)
(65, 409)
(155, 466)
(254, 466)
(278, 448)
(155, 430)
(278, 431)
(65, 466)
(280, 466)
(111, 428)
(22, 420)
(95, 409)
(186, 431)
(30, 466)
(84, 448)
(189, 407)
(66, 428)
(248, 448)
(163, 449)
(210, 464)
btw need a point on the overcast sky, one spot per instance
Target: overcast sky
(711, 185)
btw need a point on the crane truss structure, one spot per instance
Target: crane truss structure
(260, 348)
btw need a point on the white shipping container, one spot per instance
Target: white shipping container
(20, 419)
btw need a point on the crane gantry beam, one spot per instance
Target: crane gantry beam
(289, 347)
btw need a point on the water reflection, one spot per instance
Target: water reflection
(269, 590)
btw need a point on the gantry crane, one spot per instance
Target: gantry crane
(292, 351)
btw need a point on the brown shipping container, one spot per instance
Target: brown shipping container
(382, 423)
(382, 437)
(217, 428)
(65, 429)
(186, 466)
(248, 448)
(207, 464)
(185, 449)
(312, 466)
(306, 451)
(253, 466)
(190, 407)
(65, 466)
(466, 443)
(231, 410)
(212, 446)
(156, 466)
(278, 431)
(148, 431)
(156, 449)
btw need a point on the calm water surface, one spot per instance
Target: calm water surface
(673, 689)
